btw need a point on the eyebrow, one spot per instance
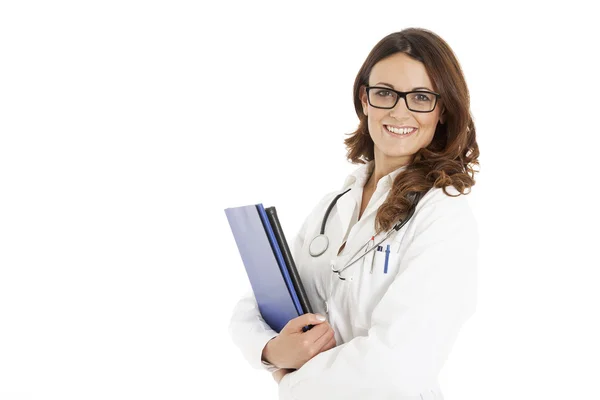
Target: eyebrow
(415, 88)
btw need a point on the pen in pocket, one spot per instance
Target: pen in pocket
(387, 256)
(379, 248)
(372, 241)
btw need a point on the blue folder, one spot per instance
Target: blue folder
(273, 289)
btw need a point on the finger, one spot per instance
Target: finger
(303, 320)
(324, 339)
(330, 345)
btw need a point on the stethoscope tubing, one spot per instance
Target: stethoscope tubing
(396, 228)
(324, 241)
(329, 210)
(348, 265)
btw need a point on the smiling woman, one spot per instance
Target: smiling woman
(395, 295)
(431, 131)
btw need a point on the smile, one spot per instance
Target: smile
(400, 135)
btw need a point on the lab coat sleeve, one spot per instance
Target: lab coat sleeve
(249, 331)
(416, 321)
(247, 328)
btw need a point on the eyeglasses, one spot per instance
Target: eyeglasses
(418, 101)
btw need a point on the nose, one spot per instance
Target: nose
(400, 109)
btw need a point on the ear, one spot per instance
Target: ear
(443, 115)
(363, 99)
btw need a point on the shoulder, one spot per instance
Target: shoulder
(445, 200)
(327, 199)
(322, 204)
(449, 208)
(330, 196)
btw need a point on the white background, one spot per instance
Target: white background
(128, 127)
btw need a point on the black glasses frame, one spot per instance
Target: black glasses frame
(402, 95)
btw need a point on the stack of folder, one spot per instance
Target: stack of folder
(269, 264)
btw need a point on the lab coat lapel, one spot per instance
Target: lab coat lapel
(346, 206)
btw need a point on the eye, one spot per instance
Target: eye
(422, 97)
(383, 93)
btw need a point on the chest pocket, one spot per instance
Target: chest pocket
(384, 260)
(369, 288)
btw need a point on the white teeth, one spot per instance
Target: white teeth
(402, 131)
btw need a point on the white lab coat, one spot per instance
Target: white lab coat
(394, 330)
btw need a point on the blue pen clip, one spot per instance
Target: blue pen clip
(387, 257)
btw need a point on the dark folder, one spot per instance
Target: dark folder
(289, 259)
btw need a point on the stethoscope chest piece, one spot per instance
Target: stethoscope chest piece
(318, 245)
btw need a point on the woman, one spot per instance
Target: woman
(392, 317)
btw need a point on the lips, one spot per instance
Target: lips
(398, 135)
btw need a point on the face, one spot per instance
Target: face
(402, 73)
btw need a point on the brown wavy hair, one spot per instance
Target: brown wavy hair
(453, 153)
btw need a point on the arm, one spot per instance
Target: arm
(248, 329)
(416, 322)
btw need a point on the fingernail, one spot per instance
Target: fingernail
(320, 317)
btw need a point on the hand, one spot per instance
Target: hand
(280, 373)
(293, 348)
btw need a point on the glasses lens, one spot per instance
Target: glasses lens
(382, 98)
(420, 101)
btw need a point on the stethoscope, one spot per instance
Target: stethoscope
(320, 243)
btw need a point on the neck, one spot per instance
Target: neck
(379, 171)
(371, 183)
